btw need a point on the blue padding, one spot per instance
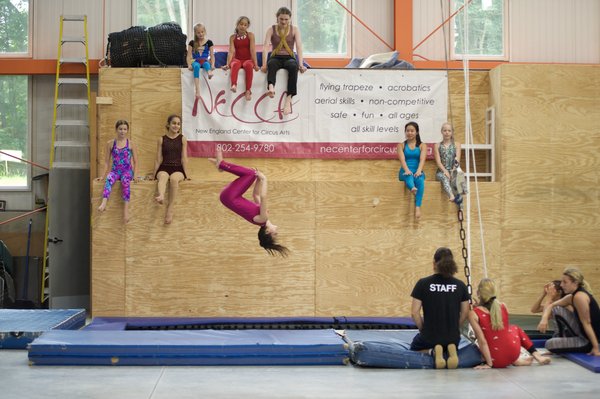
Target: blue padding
(392, 349)
(197, 347)
(18, 327)
(539, 343)
(188, 361)
(583, 359)
(340, 322)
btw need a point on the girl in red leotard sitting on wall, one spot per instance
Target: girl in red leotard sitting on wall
(242, 54)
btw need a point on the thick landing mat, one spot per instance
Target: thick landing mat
(529, 323)
(18, 327)
(202, 347)
(591, 363)
(255, 323)
(391, 349)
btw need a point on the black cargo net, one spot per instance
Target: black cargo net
(163, 44)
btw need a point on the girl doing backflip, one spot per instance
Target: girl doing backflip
(255, 211)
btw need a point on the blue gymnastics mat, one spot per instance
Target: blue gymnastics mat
(18, 327)
(391, 349)
(256, 323)
(591, 363)
(199, 348)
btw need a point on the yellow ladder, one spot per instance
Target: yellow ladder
(69, 147)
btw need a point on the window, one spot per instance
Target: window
(14, 28)
(14, 131)
(487, 27)
(324, 25)
(153, 12)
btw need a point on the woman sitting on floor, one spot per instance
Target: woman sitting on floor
(500, 343)
(578, 331)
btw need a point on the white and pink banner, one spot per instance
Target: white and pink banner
(338, 113)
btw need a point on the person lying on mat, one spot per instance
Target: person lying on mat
(255, 211)
(444, 301)
(578, 331)
(499, 343)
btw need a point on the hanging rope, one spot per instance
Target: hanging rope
(150, 44)
(22, 215)
(24, 160)
(468, 140)
(446, 44)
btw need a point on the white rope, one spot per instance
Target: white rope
(468, 141)
(446, 37)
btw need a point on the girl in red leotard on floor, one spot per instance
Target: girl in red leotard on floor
(253, 211)
(500, 343)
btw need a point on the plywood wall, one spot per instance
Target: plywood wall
(349, 257)
(549, 145)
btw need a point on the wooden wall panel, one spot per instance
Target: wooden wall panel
(199, 264)
(549, 145)
(108, 259)
(207, 262)
(356, 248)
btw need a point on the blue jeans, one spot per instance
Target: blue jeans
(398, 355)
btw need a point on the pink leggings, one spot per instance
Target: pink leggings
(248, 66)
(236, 189)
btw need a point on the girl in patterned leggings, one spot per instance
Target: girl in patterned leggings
(446, 154)
(124, 161)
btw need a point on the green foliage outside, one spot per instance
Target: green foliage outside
(14, 26)
(154, 12)
(486, 28)
(14, 20)
(323, 26)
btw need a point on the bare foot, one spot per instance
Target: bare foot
(413, 190)
(210, 74)
(542, 360)
(271, 91)
(218, 159)
(523, 361)
(125, 215)
(248, 95)
(169, 216)
(287, 107)
(418, 212)
(451, 199)
(102, 206)
(233, 88)
(160, 199)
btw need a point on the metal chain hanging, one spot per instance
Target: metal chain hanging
(465, 254)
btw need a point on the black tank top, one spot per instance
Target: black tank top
(171, 150)
(594, 313)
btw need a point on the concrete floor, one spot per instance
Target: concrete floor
(562, 379)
